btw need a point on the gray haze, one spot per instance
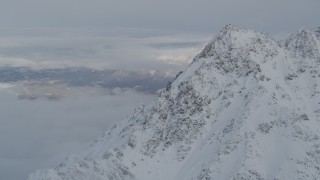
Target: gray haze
(40, 134)
(181, 15)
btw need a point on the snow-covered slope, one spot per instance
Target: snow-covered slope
(245, 108)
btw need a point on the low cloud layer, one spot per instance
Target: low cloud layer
(40, 134)
(98, 48)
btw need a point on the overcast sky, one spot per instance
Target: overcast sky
(180, 15)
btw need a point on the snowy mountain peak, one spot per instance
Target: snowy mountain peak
(239, 50)
(305, 43)
(243, 109)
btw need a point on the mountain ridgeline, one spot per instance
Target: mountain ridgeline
(247, 107)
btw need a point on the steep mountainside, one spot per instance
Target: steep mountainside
(245, 108)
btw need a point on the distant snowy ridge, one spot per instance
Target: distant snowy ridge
(245, 108)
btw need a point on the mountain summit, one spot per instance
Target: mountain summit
(247, 107)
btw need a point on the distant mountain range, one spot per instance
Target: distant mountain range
(52, 83)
